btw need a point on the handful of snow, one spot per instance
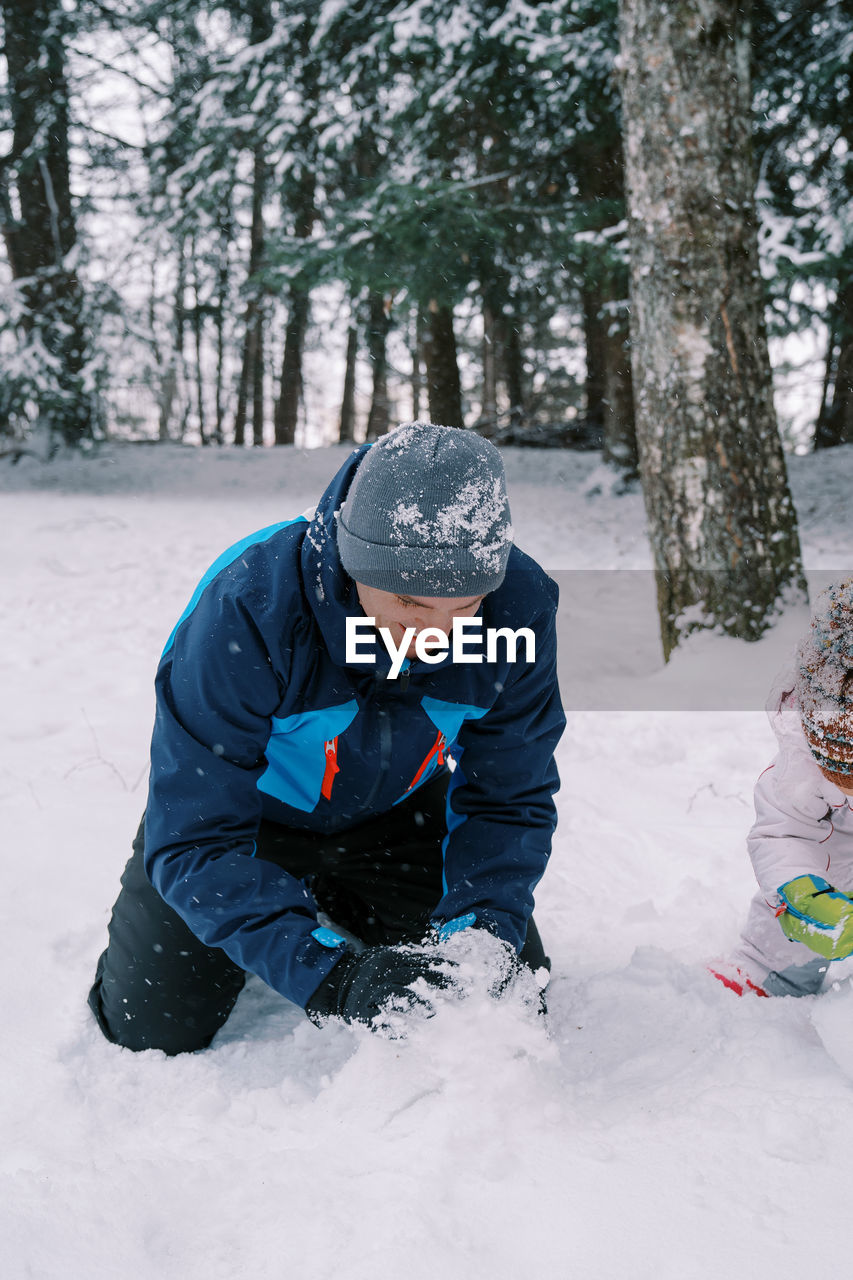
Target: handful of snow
(480, 970)
(484, 963)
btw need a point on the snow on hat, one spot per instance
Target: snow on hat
(825, 683)
(427, 514)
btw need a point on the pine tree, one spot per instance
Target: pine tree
(804, 101)
(47, 343)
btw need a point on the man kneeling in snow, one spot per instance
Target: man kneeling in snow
(295, 772)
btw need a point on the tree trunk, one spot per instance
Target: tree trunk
(609, 391)
(503, 361)
(258, 369)
(302, 190)
(442, 367)
(721, 520)
(165, 366)
(221, 304)
(181, 379)
(242, 432)
(290, 396)
(620, 432)
(417, 363)
(252, 365)
(198, 330)
(610, 400)
(378, 323)
(835, 420)
(347, 428)
(43, 236)
(489, 410)
(166, 398)
(509, 344)
(199, 380)
(594, 335)
(251, 369)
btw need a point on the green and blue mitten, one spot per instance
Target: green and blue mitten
(818, 915)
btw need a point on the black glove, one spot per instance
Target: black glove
(363, 987)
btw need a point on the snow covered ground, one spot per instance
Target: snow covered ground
(665, 1129)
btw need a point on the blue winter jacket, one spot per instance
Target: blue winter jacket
(259, 716)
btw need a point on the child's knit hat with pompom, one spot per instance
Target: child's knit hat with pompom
(825, 683)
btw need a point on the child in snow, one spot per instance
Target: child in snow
(801, 843)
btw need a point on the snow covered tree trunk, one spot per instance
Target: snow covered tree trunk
(721, 520)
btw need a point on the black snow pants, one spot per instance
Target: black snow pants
(158, 987)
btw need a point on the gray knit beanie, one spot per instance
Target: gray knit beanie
(427, 514)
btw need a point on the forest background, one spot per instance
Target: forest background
(267, 223)
(432, 193)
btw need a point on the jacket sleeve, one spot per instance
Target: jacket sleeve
(215, 693)
(792, 821)
(500, 808)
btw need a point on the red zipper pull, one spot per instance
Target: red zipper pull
(436, 748)
(332, 768)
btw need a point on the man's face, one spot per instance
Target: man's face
(397, 612)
